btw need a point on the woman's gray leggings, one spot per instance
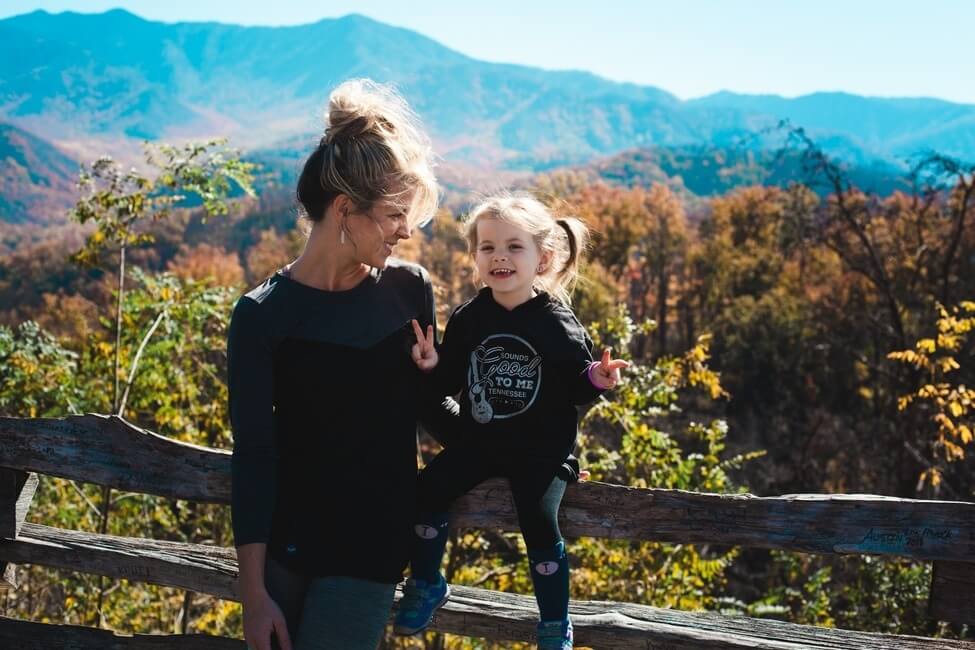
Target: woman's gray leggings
(331, 613)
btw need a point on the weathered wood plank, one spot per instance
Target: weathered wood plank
(16, 492)
(87, 448)
(471, 611)
(599, 624)
(953, 592)
(27, 635)
(812, 523)
(109, 451)
(197, 567)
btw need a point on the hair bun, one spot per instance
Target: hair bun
(361, 107)
(372, 150)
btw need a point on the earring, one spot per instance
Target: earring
(342, 237)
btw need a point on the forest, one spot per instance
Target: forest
(811, 335)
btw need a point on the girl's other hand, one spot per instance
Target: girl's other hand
(605, 373)
(424, 353)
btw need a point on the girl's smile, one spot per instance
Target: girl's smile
(508, 261)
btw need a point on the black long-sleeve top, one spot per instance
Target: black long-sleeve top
(324, 400)
(520, 373)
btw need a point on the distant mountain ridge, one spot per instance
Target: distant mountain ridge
(705, 171)
(70, 76)
(37, 180)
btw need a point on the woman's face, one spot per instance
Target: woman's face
(375, 232)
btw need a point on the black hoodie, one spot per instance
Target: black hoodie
(520, 374)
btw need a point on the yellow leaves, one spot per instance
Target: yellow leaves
(926, 345)
(932, 476)
(944, 422)
(952, 451)
(948, 364)
(907, 356)
(25, 365)
(950, 405)
(955, 409)
(947, 342)
(219, 619)
(928, 391)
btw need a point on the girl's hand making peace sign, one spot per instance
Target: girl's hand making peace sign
(424, 354)
(605, 373)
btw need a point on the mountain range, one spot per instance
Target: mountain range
(94, 83)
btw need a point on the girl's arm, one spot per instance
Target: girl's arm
(605, 373)
(591, 377)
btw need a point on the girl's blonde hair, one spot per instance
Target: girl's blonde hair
(564, 238)
(373, 150)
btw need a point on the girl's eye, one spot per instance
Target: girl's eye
(486, 249)
(516, 247)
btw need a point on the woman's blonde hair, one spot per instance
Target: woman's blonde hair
(564, 238)
(373, 150)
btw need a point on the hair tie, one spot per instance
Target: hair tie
(572, 244)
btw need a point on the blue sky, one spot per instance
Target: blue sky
(892, 48)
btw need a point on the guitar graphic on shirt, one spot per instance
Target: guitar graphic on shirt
(481, 409)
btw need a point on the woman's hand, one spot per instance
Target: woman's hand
(424, 353)
(605, 373)
(262, 618)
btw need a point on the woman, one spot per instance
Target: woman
(323, 392)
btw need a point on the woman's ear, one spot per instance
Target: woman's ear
(342, 206)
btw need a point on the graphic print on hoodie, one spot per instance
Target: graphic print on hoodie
(520, 375)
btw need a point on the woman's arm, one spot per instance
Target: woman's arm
(251, 388)
(253, 468)
(437, 411)
(262, 616)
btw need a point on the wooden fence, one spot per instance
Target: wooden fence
(108, 451)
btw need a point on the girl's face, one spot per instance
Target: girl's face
(507, 261)
(376, 232)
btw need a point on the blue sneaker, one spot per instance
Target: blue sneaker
(555, 635)
(421, 599)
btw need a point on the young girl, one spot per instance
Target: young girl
(522, 362)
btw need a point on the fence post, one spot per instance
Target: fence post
(16, 491)
(952, 596)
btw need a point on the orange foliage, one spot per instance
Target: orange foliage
(206, 262)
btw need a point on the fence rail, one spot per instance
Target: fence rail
(109, 451)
